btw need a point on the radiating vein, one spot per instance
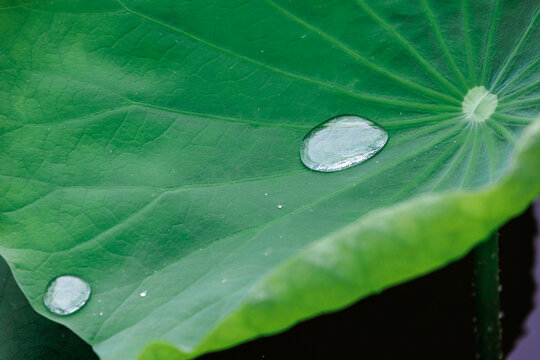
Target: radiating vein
(473, 155)
(221, 118)
(157, 188)
(510, 59)
(370, 99)
(442, 44)
(469, 50)
(502, 131)
(521, 104)
(420, 120)
(426, 172)
(533, 86)
(512, 119)
(419, 89)
(424, 131)
(522, 73)
(490, 41)
(492, 155)
(456, 160)
(412, 51)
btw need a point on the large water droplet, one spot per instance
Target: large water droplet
(66, 294)
(341, 142)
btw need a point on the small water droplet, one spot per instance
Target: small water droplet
(101, 313)
(66, 294)
(280, 206)
(265, 194)
(501, 314)
(143, 293)
(341, 142)
(224, 280)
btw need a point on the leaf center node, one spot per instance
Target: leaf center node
(479, 104)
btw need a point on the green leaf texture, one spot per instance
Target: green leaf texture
(155, 147)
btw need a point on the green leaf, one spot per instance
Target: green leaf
(27, 335)
(147, 147)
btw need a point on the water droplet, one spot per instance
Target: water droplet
(224, 280)
(479, 104)
(280, 206)
(265, 194)
(341, 142)
(143, 293)
(101, 313)
(66, 294)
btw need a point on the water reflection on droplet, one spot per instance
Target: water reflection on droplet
(341, 142)
(143, 293)
(66, 294)
(280, 206)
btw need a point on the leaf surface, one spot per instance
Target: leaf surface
(155, 149)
